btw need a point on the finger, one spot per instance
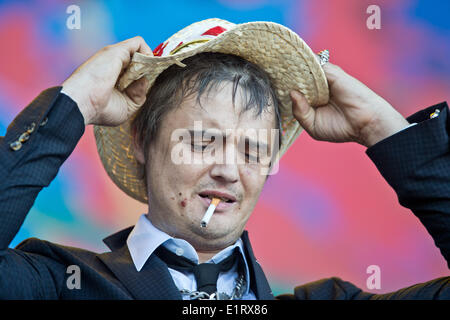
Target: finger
(302, 111)
(333, 72)
(137, 44)
(340, 82)
(145, 49)
(137, 91)
(127, 48)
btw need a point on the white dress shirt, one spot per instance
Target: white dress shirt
(412, 124)
(145, 238)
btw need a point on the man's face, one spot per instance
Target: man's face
(179, 193)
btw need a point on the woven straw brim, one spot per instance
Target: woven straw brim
(286, 58)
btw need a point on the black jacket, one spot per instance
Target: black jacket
(415, 162)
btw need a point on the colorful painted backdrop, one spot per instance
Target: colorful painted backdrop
(328, 212)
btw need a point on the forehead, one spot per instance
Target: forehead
(216, 109)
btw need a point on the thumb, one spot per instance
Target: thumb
(302, 111)
(137, 91)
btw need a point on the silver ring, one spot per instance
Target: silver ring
(324, 57)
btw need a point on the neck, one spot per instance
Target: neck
(204, 256)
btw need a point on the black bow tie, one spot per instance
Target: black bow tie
(206, 274)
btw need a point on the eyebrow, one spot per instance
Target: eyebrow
(197, 133)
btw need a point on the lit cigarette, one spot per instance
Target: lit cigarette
(209, 212)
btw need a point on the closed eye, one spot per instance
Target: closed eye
(201, 146)
(198, 147)
(251, 158)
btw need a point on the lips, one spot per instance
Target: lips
(223, 196)
(227, 200)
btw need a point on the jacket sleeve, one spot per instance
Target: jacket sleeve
(338, 289)
(36, 144)
(416, 164)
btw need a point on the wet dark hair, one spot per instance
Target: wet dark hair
(203, 72)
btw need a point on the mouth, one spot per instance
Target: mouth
(224, 197)
(226, 200)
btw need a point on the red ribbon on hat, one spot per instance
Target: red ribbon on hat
(159, 49)
(214, 31)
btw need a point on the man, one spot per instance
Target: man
(168, 254)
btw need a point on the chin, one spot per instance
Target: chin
(219, 233)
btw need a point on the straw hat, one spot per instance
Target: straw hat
(285, 57)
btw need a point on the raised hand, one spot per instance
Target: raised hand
(354, 113)
(92, 85)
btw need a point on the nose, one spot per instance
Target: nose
(225, 172)
(225, 167)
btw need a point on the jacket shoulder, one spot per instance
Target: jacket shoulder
(54, 251)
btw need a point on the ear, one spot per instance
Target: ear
(138, 150)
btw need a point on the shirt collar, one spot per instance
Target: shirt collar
(145, 238)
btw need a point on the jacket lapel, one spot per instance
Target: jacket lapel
(258, 280)
(153, 282)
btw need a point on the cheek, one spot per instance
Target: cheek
(252, 182)
(183, 182)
